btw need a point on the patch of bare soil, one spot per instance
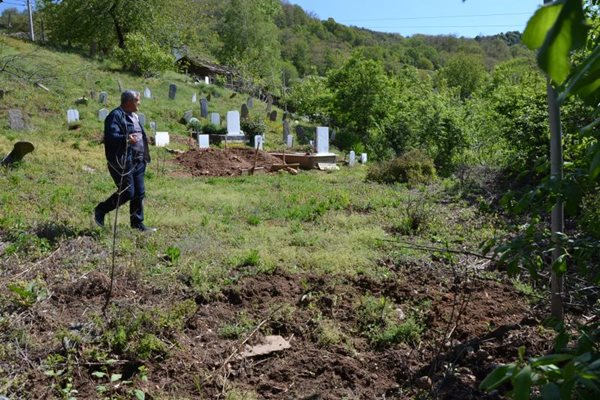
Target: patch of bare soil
(470, 325)
(225, 162)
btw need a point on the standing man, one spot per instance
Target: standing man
(127, 153)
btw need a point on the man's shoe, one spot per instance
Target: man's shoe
(143, 228)
(99, 217)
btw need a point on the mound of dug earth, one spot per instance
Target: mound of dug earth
(225, 162)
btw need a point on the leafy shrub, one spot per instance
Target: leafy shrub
(211, 129)
(253, 127)
(412, 167)
(143, 57)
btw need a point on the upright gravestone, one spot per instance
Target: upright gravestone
(245, 111)
(187, 116)
(289, 142)
(147, 93)
(301, 135)
(161, 139)
(322, 140)
(72, 116)
(172, 91)
(233, 123)
(286, 131)
(142, 120)
(194, 98)
(15, 120)
(273, 115)
(203, 141)
(215, 119)
(153, 126)
(250, 102)
(363, 158)
(352, 159)
(102, 114)
(258, 142)
(103, 98)
(207, 80)
(93, 94)
(204, 107)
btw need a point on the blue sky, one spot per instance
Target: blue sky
(407, 17)
(432, 17)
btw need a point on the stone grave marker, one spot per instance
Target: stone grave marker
(207, 80)
(290, 141)
(16, 120)
(215, 119)
(322, 140)
(250, 102)
(93, 94)
(363, 158)
(204, 107)
(153, 126)
(245, 111)
(194, 98)
(172, 91)
(301, 135)
(147, 93)
(103, 98)
(258, 142)
(187, 116)
(233, 123)
(352, 159)
(286, 130)
(161, 139)
(72, 116)
(203, 141)
(102, 114)
(142, 120)
(273, 115)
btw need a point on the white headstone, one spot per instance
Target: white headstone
(203, 141)
(290, 141)
(147, 93)
(161, 139)
(322, 140)
(194, 98)
(363, 158)
(72, 116)
(352, 159)
(215, 119)
(207, 80)
(258, 142)
(102, 114)
(233, 123)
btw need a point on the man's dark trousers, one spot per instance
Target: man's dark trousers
(130, 185)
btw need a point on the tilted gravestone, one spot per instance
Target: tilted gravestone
(20, 149)
(215, 119)
(102, 114)
(187, 116)
(120, 86)
(103, 98)
(142, 119)
(147, 93)
(245, 111)
(273, 115)
(172, 91)
(16, 121)
(250, 102)
(204, 107)
(233, 123)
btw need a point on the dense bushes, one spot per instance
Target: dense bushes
(143, 56)
(413, 167)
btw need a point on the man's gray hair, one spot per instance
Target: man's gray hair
(128, 96)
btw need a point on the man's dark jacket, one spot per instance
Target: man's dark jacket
(117, 129)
